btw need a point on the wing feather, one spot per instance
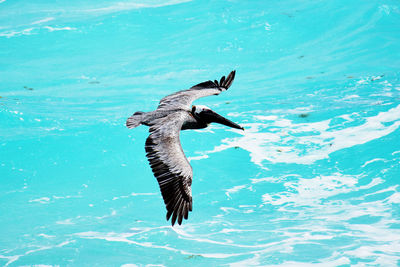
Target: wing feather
(169, 164)
(183, 99)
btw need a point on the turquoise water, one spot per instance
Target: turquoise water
(312, 181)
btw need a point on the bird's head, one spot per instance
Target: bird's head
(207, 115)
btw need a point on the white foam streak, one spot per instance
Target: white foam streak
(42, 20)
(42, 200)
(373, 160)
(311, 192)
(234, 189)
(17, 257)
(394, 198)
(27, 31)
(34, 30)
(124, 6)
(386, 249)
(52, 29)
(185, 235)
(284, 144)
(324, 263)
(123, 237)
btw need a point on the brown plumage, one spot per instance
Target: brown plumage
(163, 148)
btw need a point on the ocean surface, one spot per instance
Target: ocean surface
(312, 181)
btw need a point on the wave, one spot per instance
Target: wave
(34, 30)
(304, 143)
(125, 6)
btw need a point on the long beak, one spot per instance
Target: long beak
(211, 116)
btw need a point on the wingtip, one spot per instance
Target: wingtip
(173, 220)
(222, 83)
(169, 213)
(229, 79)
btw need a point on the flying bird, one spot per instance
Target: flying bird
(163, 147)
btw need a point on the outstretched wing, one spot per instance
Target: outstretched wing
(170, 166)
(183, 99)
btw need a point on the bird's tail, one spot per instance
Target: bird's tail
(135, 120)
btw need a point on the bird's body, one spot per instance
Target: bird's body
(164, 152)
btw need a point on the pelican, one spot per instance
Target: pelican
(163, 148)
